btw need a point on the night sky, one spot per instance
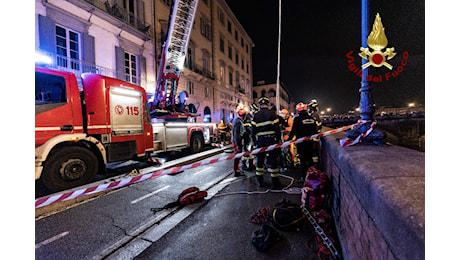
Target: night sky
(316, 38)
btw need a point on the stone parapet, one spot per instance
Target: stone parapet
(378, 199)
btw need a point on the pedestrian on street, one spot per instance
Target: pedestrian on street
(304, 125)
(266, 131)
(237, 139)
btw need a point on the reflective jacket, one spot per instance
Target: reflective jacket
(265, 123)
(304, 125)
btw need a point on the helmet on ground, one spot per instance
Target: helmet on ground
(264, 101)
(300, 106)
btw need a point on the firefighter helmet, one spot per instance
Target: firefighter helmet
(313, 105)
(284, 113)
(255, 106)
(264, 101)
(300, 106)
(242, 111)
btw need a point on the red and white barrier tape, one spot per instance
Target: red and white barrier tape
(45, 201)
(348, 142)
(217, 145)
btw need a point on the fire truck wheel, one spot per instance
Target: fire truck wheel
(196, 143)
(69, 167)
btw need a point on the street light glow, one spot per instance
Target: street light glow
(411, 105)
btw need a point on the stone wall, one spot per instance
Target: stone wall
(378, 199)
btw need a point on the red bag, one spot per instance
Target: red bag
(191, 195)
(314, 189)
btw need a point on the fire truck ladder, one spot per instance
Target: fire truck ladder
(173, 54)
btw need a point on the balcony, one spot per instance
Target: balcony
(105, 8)
(240, 90)
(200, 70)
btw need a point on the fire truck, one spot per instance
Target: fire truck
(80, 129)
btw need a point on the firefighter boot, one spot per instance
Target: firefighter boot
(276, 184)
(260, 180)
(251, 165)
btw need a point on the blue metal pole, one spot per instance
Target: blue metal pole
(366, 103)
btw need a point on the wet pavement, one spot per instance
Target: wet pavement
(220, 227)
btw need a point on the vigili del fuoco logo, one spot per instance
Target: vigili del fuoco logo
(377, 55)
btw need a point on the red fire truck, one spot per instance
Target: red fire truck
(78, 132)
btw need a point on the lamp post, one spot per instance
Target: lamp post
(366, 102)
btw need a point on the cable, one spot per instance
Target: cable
(285, 189)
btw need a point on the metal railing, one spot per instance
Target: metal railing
(120, 13)
(200, 70)
(79, 67)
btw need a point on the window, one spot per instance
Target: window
(167, 2)
(205, 28)
(229, 27)
(206, 92)
(189, 58)
(236, 35)
(49, 89)
(222, 45)
(237, 58)
(242, 63)
(242, 42)
(67, 48)
(222, 73)
(206, 64)
(190, 87)
(230, 76)
(131, 68)
(230, 54)
(220, 16)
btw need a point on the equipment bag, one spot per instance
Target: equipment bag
(187, 196)
(314, 189)
(287, 216)
(265, 237)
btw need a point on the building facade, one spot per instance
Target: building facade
(124, 38)
(261, 89)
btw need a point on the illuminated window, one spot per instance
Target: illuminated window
(131, 68)
(67, 48)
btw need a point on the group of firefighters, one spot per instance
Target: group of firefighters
(261, 126)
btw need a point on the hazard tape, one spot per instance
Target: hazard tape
(217, 145)
(45, 201)
(348, 142)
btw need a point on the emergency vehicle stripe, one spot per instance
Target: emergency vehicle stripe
(40, 202)
(98, 126)
(47, 129)
(55, 128)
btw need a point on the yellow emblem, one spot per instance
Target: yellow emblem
(377, 41)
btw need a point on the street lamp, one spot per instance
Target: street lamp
(328, 109)
(411, 105)
(366, 102)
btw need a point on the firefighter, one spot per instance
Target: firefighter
(304, 125)
(248, 144)
(266, 131)
(237, 139)
(222, 128)
(287, 122)
(312, 108)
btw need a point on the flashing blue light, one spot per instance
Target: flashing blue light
(41, 58)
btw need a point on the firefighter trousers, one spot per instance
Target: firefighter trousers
(270, 157)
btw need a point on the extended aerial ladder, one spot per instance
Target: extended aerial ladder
(173, 54)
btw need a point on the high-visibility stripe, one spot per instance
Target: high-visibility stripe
(55, 128)
(265, 123)
(265, 133)
(259, 171)
(275, 172)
